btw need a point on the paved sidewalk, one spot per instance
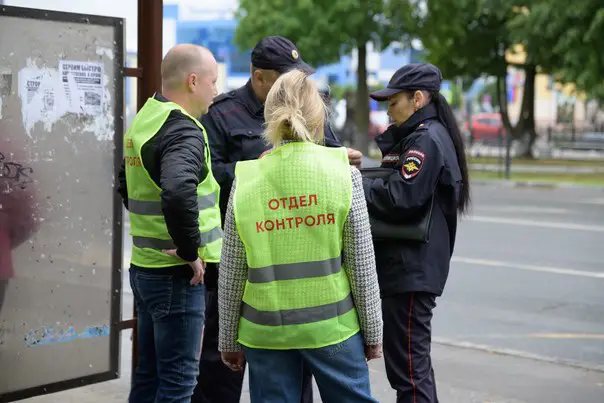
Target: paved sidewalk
(463, 376)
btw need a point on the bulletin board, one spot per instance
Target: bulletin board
(61, 130)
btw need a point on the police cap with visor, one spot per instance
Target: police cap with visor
(280, 54)
(414, 76)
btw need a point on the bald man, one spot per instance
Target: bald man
(167, 185)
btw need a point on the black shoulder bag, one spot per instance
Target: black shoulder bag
(414, 230)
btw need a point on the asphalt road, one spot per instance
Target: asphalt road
(528, 274)
(522, 312)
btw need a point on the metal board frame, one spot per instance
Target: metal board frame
(116, 273)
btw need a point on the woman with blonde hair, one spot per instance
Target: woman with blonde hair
(297, 282)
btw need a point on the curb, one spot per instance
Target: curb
(519, 354)
(537, 169)
(507, 183)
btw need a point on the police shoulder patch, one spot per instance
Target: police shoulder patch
(413, 161)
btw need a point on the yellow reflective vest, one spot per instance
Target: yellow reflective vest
(147, 224)
(290, 208)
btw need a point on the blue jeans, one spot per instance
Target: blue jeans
(170, 323)
(340, 371)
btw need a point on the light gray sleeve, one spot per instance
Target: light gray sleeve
(232, 275)
(359, 261)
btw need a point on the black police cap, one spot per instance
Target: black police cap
(278, 53)
(413, 76)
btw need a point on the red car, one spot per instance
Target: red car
(485, 126)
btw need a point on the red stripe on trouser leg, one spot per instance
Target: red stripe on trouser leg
(409, 348)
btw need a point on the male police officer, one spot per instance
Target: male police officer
(235, 125)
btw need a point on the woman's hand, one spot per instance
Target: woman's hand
(373, 352)
(233, 360)
(355, 157)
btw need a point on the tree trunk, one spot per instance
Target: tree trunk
(347, 134)
(525, 131)
(502, 100)
(361, 141)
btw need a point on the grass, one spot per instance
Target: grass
(591, 179)
(542, 162)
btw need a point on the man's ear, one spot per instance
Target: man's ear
(258, 76)
(192, 81)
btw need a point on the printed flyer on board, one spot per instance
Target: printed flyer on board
(83, 84)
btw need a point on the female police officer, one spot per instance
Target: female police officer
(424, 189)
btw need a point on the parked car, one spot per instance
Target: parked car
(485, 127)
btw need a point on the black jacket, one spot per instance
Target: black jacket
(424, 165)
(175, 161)
(235, 123)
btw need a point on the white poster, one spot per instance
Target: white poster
(42, 98)
(83, 84)
(36, 85)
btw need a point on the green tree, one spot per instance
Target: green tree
(568, 40)
(457, 96)
(471, 37)
(462, 37)
(323, 30)
(338, 92)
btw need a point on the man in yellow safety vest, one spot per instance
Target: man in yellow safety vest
(171, 195)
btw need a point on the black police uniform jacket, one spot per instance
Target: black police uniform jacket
(424, 170)
(234, 124)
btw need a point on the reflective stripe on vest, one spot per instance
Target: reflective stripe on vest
(298, 316)
(154, 207)
(159, 244)
(292, 271)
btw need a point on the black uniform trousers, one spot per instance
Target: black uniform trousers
(407, 339)
(216, 382)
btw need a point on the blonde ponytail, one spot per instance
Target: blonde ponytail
(294, 110)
